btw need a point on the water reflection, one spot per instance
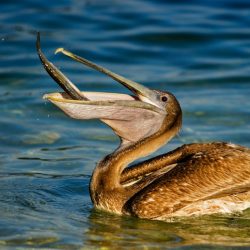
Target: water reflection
(110, 231)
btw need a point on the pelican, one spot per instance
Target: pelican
(194, 179)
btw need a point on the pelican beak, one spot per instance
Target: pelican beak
(132, 117)
(141, 91)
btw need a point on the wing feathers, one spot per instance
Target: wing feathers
(212, 173)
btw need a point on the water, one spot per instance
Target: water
(199, 50)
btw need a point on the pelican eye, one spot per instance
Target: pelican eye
(164, 98)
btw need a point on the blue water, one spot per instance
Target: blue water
(198, 50)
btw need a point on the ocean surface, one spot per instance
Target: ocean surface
(198, 50)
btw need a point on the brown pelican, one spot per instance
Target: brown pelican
(194, 179)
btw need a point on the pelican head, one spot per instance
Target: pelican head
(132, 117)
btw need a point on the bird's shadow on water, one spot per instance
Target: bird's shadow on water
(110, 231)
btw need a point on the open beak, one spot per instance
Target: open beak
(108, 107)
(138, 89)
(143, 93)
